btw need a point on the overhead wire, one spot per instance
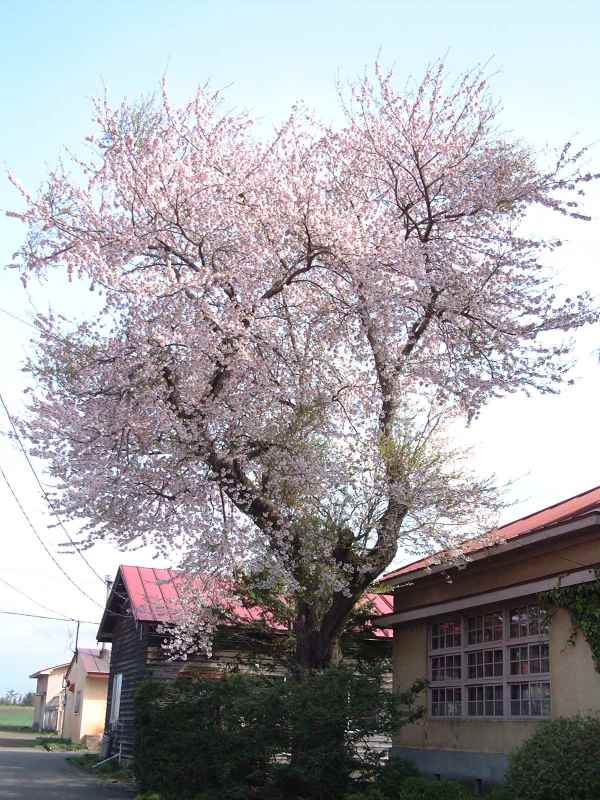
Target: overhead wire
(45, 494)
(40, 484)
(28, 597)
(39, 616)
(41, 541)
(31, 325)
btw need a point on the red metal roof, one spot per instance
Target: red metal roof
(94, 662)
(156, 596)
(564, 511)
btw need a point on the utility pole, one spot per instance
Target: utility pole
(77, 640)
(109, 584)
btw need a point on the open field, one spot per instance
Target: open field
(16, 715)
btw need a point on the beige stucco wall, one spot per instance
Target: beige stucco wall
(575, 681)
(94, 707)
(48, 688)
(72, 721)
(90, 720)
(55, 683)
(575, 688)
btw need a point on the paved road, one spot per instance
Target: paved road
(27, 774)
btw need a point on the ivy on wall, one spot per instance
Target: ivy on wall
(583, 604)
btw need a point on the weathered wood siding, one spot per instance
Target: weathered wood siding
(137, 654)
(128, 658)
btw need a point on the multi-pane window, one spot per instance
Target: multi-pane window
(446, 668)
(528, 621)
(485, 701)
(491, 664)
(446, 701)
(485, 664)
(529, 658)
(485, 628)
(445, 635)
(530, 699)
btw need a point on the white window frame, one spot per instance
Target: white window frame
(77, 701)
(505, 644)
(115, 700)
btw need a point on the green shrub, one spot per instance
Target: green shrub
(499, 793)
(411, 787)
(561, 761)
(427, 789)
(260, 736)
(372, 793)
(393, 773)
(198, 735)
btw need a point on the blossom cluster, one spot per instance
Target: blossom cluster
(288, 325)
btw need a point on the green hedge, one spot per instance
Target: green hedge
(415, 788)
(194, 735)
(250, 736)
(561, 761)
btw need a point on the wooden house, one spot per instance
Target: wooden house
(141, 601)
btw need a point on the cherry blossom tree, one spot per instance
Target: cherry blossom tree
(287, 328)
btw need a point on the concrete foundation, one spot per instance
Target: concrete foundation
(478, 769)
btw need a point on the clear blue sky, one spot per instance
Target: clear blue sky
(56, 55)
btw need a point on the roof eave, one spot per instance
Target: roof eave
(103, 635)
(48, 670)
(588, 520)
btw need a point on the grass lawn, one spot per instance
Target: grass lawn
(109, 772)
(16, 716)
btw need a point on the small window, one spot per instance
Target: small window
(485, 628)
(446, 702)
(533, 658)
(445, 668)
(77, 706)
(445, 635)
(528, 621)
(115, 701)
(485, 664)
(530, 699)
(485, 701)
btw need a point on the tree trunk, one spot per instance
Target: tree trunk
(317, 637)
(314, 649)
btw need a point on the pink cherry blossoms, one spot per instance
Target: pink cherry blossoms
(287, 327)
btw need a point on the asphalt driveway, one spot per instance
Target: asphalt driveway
(28, 774)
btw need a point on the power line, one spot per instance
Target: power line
(46, 333)
(39, 616)
(42, 488)
(38, 481)
(41, 541)
(31, 599)
(17, 318)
